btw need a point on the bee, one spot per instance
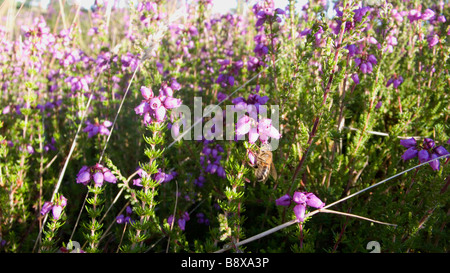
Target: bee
(264, 164)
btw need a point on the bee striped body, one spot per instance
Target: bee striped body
(264, 165)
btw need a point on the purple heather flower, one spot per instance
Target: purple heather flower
(221, 96)
(284, 200)
(84, 175)
(129, 210)
(46, 207)
(379, 104)
(410, 153)
(428, 143)
(398, 81)
(432, 40)
(266, 130)
(435, 163)
(253, 135)
(372, 59)
(243, 125)
(120, 219)
(414, 15)
(359, 13)
(355, 78)
(94, 129)
(442, 19)
(408, 143)
(160, 113)
(314, 201)
(56, 207)
(299, 197)
(440, 151)
(109, 177)
(424, 156)
(30, 149)
(146, 92)
(56, 211)
(182, 223)
(372, 40)
(302, 199)
(363, 68)
(299, 211)
(352, 50)
(427, 14)
(6, 110)
(155, 103)
(98, 179)
(100, 174)
(170, 220)
(170, 103)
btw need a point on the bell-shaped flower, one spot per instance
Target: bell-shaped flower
(171, 102)
(160, 113)
(299, 197)
(408, 143)
(427, 14)
(109, 177)
(56, 211)
(253, 135)
(314, 201)
(424, 156)
(284, 200)
(146, 92)
(428, 143)
(299, 211)
(435, 163)
(46, 207)
(410, 153)
(83, 176)
(243, 125)
(98, 179)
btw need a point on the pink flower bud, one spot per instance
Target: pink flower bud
(146, 92)
(299, 212)
(170, 103)
(98, 179)
(160, 113)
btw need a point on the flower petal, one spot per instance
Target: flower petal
(299, 212)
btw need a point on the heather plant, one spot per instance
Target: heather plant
(138, 128)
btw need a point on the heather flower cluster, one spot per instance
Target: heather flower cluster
(395, 80)
(160, 177)
(97, 173)
(425, 152)
(154, 108)
(210, 161)
(97, 128)
(181, 221)
(252, 124)
(122, 219)
(301, 200)
(56, 207)
(266, 11)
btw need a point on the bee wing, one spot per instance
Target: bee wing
(273, 171)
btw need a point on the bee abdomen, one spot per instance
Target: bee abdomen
(262, 174)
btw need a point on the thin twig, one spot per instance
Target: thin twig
(356, 216)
